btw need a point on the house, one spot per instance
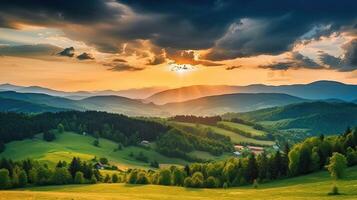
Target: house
(98, 165)
(237, 153)
(145, 143)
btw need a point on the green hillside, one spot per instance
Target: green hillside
(67, 145)
(313, 117)
(235, 138)
(243, 127)
(311, 187)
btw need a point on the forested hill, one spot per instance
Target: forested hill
(12, 105)
(316, 117)
(14, 126)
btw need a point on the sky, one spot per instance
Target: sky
(108, 44)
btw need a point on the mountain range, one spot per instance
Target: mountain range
(207, 100)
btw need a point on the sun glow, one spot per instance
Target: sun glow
(181, 68)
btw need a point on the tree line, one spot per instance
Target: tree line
(28, 172)
(197, 119)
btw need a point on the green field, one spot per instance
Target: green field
(244, 128)
(235, 138)
(67, 145)
(311, 187)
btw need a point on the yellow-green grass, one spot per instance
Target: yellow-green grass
(235, 138)
(207, 156)
(244, 128)
(67, 145)
(310, 187)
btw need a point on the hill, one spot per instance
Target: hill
(315, 90)
(220, 104)
(136, 93)
(119, 104)
(11, 105)
(312, 117)
(312, 187)
(69, 144)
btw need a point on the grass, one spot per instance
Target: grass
(311, 187)
(235, 138)
(244, 128)
(68, 144)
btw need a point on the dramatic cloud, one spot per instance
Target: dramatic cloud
(347, 62)
(29, 50)
(188, 57)
(69, 52)
(119, 67)
(229, 29)
(119, 60)
(233, 67)
(85, 56)
(294, 61)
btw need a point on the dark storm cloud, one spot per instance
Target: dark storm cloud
(119, 67)
(347, 62)
(85, 56)
(232, 28)
(69, 52)
(295, 61)
(29, 50)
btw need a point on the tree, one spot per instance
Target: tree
(96, 142)
(60, 128)
(107, 179)
(115, 178)
(2, 146)
(252, 169)
(79, 178)
(337, 165)
(142, 178)
(61, 176)
(4, 179)
(104, 160)
(22, 178)
(93, 179)
(165, 177)
(178, 176)
(187, 182)
(197, 180)
(49, 136)
(74, 166)
(211, 182)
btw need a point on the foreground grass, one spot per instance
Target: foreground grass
(311, 187)
(67, 145)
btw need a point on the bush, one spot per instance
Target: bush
(165, 177)
(115, 178)
(49, 136)
(61, 176)
(96, 142)
(5, 181)
(334, 190)
(211, 182)
(142, 179)
(337, 165)
(141, 157)
(107, 179)
(22, 178)
(187, 182)
(225, 185)
(197, 180)
(154, 164)
(255, 184)
(93, 179)
(104, 160)
(79, 178)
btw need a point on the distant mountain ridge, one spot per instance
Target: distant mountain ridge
(315, 90)
(139, 93)
(12, 105)
(316, 117)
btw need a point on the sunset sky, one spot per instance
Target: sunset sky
(107, 44)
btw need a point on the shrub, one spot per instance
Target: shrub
(49, 136)
(22, 178)
(115, 178)
(4, 179)
(211, 182)
(79, 178)
(142, 179)
(103, 160)
(165, 177)
(93, 179)
(96, 142)
(337, 165)
(61, 176)
(187, 182)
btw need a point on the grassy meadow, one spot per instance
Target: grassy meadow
(68, 145)
(235, 137)
(312, 187)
